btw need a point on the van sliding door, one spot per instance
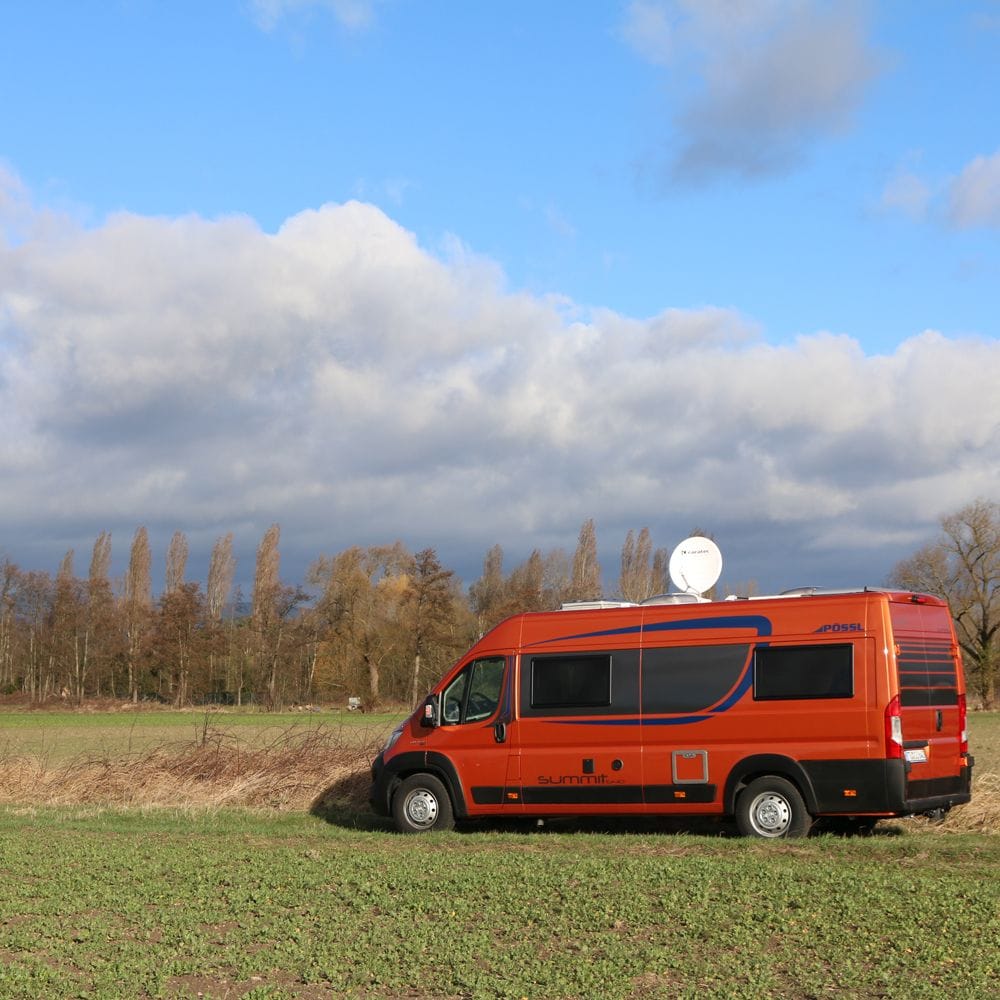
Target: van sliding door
(578, 730)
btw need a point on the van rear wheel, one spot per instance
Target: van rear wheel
(421, 804)
(772, 807)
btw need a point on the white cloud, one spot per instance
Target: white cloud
(908, 193)
(971, 199)
(647, 28)
(338, 378)
(974, 196)
(759, 79)
(354, 14)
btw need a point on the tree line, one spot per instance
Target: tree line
(379, 623)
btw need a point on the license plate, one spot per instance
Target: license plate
(916, 756)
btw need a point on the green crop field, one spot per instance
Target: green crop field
(102, 901)
(61, 735)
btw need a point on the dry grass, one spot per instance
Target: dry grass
(325, 769)
(296, 770)
(982, 814)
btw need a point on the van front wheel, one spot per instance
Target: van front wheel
(421, 804)
(772, 807)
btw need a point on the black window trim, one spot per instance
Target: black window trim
(568, 706)
(800, 647)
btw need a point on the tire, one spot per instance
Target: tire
(772, 807)
(421, 804)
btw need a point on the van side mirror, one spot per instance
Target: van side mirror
(431, 717)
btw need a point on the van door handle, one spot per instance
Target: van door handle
(940, 720)
(500, 732)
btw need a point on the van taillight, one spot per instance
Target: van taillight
(963, 726)
(893, 731)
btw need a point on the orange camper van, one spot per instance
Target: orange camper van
(774, 711)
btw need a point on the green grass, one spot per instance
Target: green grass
(61, 735)
(98, 902)
(109, 904)
(984, 739)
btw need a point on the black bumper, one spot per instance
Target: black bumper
(378, 795)
(881, 786)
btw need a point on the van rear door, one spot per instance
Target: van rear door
(930, 689)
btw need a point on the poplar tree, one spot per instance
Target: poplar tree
(99, 641)
(221, 571)
(264, 606)
(585, 583)
(177, 555)
(137, 601)
(635, 582)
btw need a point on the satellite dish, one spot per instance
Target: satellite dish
(695, 565)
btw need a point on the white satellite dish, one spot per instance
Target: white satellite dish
(695, 565)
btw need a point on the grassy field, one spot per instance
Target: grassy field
(306, 895)
(59, 735)
(126, 904)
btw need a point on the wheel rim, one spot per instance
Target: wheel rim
(770, 814)
(421, 808)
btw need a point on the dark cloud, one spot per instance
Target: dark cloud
(753, 85)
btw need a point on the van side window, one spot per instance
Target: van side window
(569, 682)
(475, 693)
(791, 672)
(690, 678)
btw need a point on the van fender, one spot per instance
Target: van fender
(425, 762)
(767, 763)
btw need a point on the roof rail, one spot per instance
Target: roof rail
(821, 591)
(599, 605)
(675, 599)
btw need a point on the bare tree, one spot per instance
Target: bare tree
(526, 585)
(635, 583)
(488, 594)
(660, 578)
(137, 601)
(100, 559)
(264, 613)
(177, 555)
(35, 596)
(429, 600)
(221, 571)
(266, 580)
(963, 565)
(364, 591)
(585, 584)
(177, 636)
(69, 645)
(9, 582)
(99, 644)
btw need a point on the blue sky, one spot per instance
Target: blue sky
(721, 263)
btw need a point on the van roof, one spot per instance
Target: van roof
(795, 592)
